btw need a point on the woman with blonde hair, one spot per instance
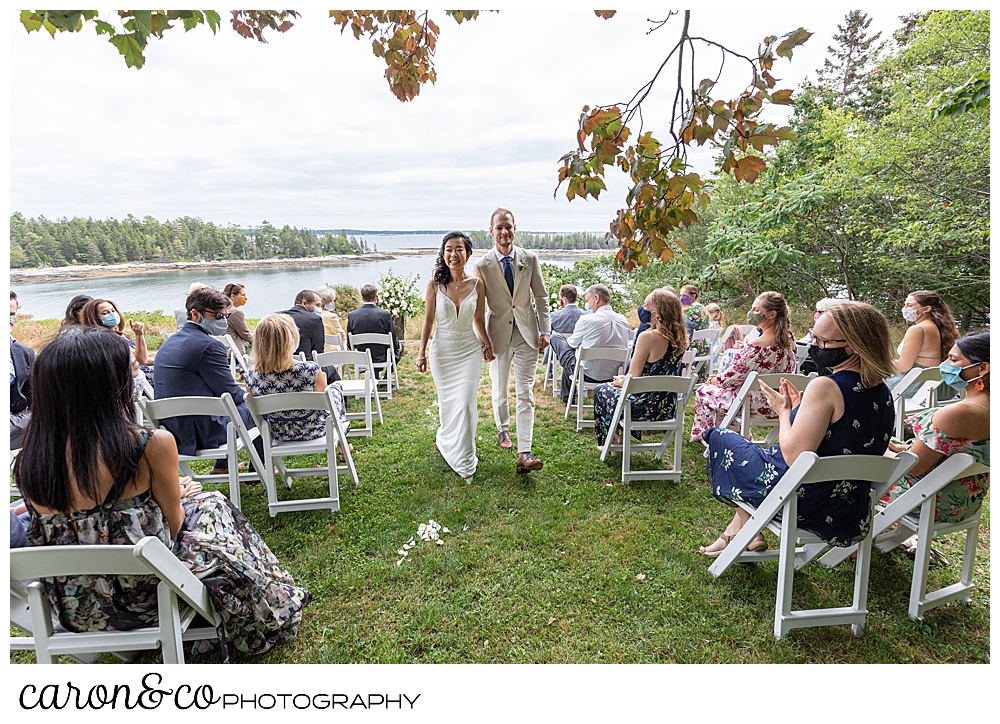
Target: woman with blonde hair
(657, 351)
(770, 352)
(849, 412)
(276, 370)
(717, 320)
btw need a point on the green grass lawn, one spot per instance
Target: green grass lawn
(560, 567)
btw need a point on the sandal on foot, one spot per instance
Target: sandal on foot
(757, 545)
(505, 442)
(727, 539)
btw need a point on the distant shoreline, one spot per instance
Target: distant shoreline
(70, 273)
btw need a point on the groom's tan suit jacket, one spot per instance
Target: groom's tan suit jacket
(503, 309)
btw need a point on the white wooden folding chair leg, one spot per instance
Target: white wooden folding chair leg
(171, 643)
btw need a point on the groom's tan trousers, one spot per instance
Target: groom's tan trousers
(525, 359)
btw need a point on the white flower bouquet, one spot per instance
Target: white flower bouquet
(398, 294)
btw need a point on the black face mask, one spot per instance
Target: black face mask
(828, 357)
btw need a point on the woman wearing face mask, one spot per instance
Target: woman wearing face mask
(849, 412)
(237, 327)
(331, 322)
(697, 318)
(928, 341)
(771, 352)
(104, 313)
(960, 427)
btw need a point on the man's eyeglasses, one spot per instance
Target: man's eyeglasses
(214, 315)
(824, 343)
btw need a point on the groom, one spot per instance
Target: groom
(512, 278)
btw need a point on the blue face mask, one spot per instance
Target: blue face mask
(111, 320)
(13, 320)
(215, 327)
(951, 374)
(318, 311)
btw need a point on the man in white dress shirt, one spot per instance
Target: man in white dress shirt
(604, 328)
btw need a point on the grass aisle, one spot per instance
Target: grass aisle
(559, 567)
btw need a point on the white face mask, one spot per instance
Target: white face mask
(910, 315)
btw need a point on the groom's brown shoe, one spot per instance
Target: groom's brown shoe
(505, 441)
(526, 463)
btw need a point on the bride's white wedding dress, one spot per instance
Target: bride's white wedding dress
(456, 362)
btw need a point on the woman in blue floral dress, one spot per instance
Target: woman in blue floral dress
(275, 370)
(91, 476)
(850, 412)
(657, 351)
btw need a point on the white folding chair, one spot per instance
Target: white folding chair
(143, 390)
(672, 428)
(747, 329)
(711, 336)
(181, 597)
(579, 386)
(913, 511)
(553, 373)
(357, 381)
(165, 335)
(275, 451)
(783, 501)
(747, 417)
(239, 361)
(334, 340)
(238, 437)
(925, 398)
(801, 355)
(391, 369)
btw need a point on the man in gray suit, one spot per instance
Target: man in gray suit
(564, 320)
(517, 330)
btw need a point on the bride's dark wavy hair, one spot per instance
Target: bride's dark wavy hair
(442, 274)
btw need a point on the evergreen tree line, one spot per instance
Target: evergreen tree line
(576, 240)
(41, 242)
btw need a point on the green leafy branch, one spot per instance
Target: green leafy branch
(973, 94)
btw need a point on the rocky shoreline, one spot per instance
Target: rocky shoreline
(69, 273)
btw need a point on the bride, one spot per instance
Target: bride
(455, 300)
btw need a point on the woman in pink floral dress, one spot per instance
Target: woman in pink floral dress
(771, 352)
(961, 427)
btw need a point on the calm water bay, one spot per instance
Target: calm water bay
(269, 290)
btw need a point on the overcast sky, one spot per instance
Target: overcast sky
(304, 130)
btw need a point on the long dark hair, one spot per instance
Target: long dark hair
(73, 309)
(940, 315)
(90, 318)
(976, 347)
(442, 274)
(81, 410)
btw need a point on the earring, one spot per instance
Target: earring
(980, 385)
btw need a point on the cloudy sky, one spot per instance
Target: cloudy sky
(304, 130)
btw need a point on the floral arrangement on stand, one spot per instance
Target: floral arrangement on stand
(398, 295)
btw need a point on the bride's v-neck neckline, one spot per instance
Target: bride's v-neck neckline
(459, 305)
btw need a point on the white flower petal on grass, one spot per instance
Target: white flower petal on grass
(440, 542)
(445, 530)
(640, 577)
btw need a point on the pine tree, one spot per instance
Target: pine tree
(843, 74)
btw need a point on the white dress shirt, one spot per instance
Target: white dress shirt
(603, 328)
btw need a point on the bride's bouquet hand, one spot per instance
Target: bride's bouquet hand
(421, 363)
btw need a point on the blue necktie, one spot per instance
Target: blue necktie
(508, 273)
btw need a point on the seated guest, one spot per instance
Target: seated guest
(73, 310)
(773, 351)
(808, 366)
(849, 412)
(960, 427)
(119, 486)
(604, 328)
(307, 315)
(191, 363)
(275, 370)
(717, 320)
(104, 313)
(21, 358)
(369, 319)
(331, 320)
(927, 342)
(237, 327)
(180, 314)
(657, 352)
(643, 315)
(564, 319)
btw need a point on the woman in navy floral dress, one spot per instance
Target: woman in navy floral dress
(657, 351)
(850, 412)
(91, 476)
(275, 371)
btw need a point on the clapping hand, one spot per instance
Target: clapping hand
(137, 327)
(783, 399)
